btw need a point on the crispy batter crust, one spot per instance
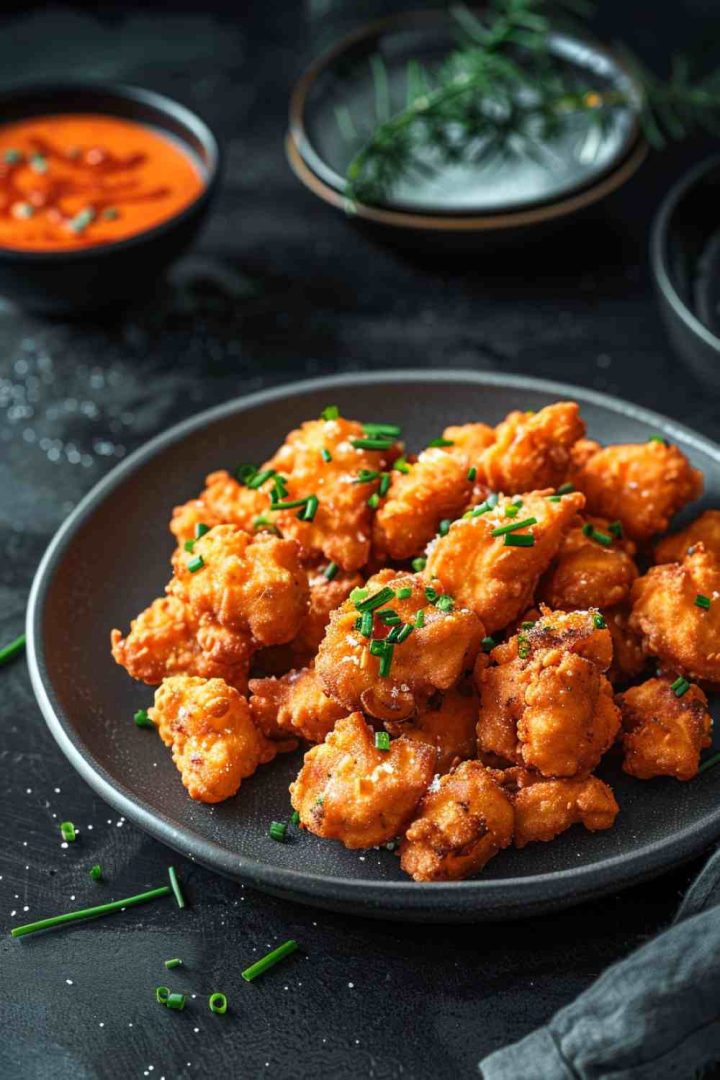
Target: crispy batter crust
(294, 704)
(588, 574)
(532, 450)
(545, 808)
(663, 734)
(448, 726)
(704, 530)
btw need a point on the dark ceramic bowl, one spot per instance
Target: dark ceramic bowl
(685, 260)
(59, 282)
(82, 590)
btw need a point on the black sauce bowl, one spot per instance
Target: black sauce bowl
(93, 278)
(685, 261)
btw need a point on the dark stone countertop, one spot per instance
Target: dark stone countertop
(277, 289)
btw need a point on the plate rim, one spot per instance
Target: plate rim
(476, 898)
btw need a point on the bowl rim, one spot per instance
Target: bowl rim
(301, 153)
(128, 93)
(659, 246)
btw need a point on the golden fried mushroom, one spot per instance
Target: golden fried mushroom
(294, 704)
(245, 583)
(676, 612)
(641, 485)
(435, 487)
(664, 731)
(168, 639)
(629, 659)
(464, 819)
(223, 502)
(489, 574)
(545, 702)
(349, 790)
(704, 530)
(545, 808)
(532, 450)
(365, 667)
(448, 726)
(593, 568)
(215, 744)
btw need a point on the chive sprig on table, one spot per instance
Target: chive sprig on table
(12, 649)
(272, 958)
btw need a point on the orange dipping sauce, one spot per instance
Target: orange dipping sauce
(78, 181)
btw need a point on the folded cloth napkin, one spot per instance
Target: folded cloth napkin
(653, 1016)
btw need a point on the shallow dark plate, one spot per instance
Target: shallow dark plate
(111, 557)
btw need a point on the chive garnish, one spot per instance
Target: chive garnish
(472, 474)
(245, 473)
(377, 442)
(419, 564)
(331, 570)
(175, 1001)
(386, 430)
(594, 534)
(91, 912)
(142, 718)
(444, 526)
(376, 600)
(291, 504)
(68, 831)
(366, 476)
(659, 439)
(615, 527)
(359, 593)
(217, 1003)
(382, 740)
(9, 652)
(709, 763)
(384, 485)
(441, 442)
(294, 818)
(111, 213)
(488, 643)
(401, 465)
(680, 686)
(325, 454)
(386, 661)
(269, 961)
(522, 540)
(511, 511)
(599, 622)
(402, 633)
(162, 993)
(308, 514)
(554, 498)
(527, 625)
(389, 617)
(565, 489)
(277, 831)
(195, 564)
(262, 522)
(419, 620)
(702, 601)
(175, 886)
(201, 529)
(330, 412)
(431, 594)
(279, 490)
(405, 593)
(189, 545)
(259, 478)
(517, 501)
(445, 603)
(374, 501)
(12, 157)
(523, 646)
(96, 872)
(175, 962)
(513, 526)
(366, 624)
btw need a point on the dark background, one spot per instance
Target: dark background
(279, 288)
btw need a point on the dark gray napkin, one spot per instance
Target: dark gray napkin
(653, 1016)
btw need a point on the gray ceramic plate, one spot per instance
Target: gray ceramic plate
(111, 557)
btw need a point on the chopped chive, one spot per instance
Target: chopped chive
(68, 831)
(523, 540)
(80, 222)
(492, 499)
(272, 958)
(291, 504)
(565, 489)
(680, 686)
(602, 538)
(142, 719)
(384, 485)
(488, 643)
(330, 412)
(702, 601)
(659, 439)
(366, 624)
(511, 511)
(392, 637)
(444, 526)
(503, 530)
(377, 647)
(478, 511)
(175, 886)
(111, 213)
(9, 652)
(527, 625)
(95, 872)
(308, 514)
(175, 1001)
(375, 443)
(401, 465)
(517, 501)
(325, 454)
(189, 545)
(195, 564)
(441, 442)
(12, 157)
(445, 603)
(403, 633)
(386, 661)
(277, 831)
(387, 430)
(294, 818)
(523, 646)
(201, 529)
(265, 523)
(245, 473)
(376, 600)
(374, 501)
(175, 962)
(359, 593)
(279, 490)
(388, 616)
(87, 913)
(431, 594)
(599, 622)
(38, 163)
(472, 474)
(615, 527)
(405, 593)
(419, 564)
(260, 478)
(709, 763)
(419, 619)
(554, 498)
(382, 740)
(331, 570)
(218, 1003)
(366, 476)
(162, 993)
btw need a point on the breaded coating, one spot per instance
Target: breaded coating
(489, 576)
(532, 450)
(436, 487)
(587, 573)
(294, 704)
(704, 530)
(546, 808)
(325, 597)
(663, 734)
(448, 726)
(629, 659)
(168, 639)
(432, 657)
(215, 744)
(246, 584)
(348, 790)
(464, 820)
(469, 441)
(545, 702)
(581, 452)
(639, 484)
(667, 615)
(342, 525)
(223, 502)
